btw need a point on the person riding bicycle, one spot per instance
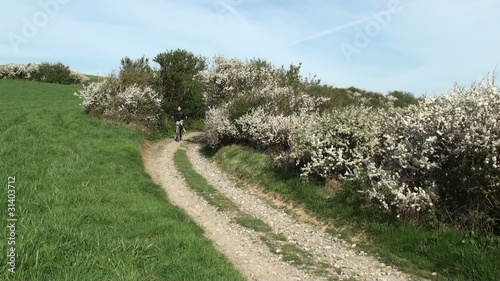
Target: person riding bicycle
(179, 123)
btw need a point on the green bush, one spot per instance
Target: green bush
(53, 73)
(167, 129)
(403, 99)
(195, 124)
(175, 81)
(136, 72)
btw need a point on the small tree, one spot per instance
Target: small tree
(177, 84)
(136, 72)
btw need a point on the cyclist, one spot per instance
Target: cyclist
(179, 123)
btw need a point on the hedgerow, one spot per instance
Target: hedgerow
(442, 157)
(435, 161)
(43, 72)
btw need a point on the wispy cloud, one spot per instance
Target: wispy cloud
(332, 30)
(416, 51)
(341, 27)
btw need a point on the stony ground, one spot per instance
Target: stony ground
(332, 258)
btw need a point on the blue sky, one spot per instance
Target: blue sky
(419, 46)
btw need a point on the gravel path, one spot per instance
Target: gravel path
(243, 246)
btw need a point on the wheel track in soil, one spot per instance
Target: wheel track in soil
(244, 247)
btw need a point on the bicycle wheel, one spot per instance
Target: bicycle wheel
(177, 132)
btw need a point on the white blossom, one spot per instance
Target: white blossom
(406, 158)
(25, 71)
(132, 105)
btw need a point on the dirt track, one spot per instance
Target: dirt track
(243, 246)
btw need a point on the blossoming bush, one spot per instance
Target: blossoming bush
(265, 131)
(433, 161)
(251, 104)
(337, 144)
(227, 78)
(219, 129)
(43, 72)
(399, 177)
(17, 71)
(132, 105)
(442, 156)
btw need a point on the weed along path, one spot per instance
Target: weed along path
(286, 249)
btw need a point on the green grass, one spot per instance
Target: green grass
(95, 78)
(453, 255)
(86, 209)
(200, 185)
(298, 257)
(252, 222)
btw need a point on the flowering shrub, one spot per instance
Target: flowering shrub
(43, 72)
(251, 100)
(219, 129)
(134, 104)
(17, 71)
(228, 78)
(257, 128)
(435, 159)
(400, 176)
(337, 144)
(442, 155)
(265, 131)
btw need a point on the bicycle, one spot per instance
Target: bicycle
(179, 129)
(179, 117)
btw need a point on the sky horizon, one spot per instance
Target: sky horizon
(417, 46)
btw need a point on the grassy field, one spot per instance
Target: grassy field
(85, 208)
(452, 255)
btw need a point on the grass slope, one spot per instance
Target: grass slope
(86, 209)
(451, 254)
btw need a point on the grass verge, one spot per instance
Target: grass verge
(85, 208)
(451, 254)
